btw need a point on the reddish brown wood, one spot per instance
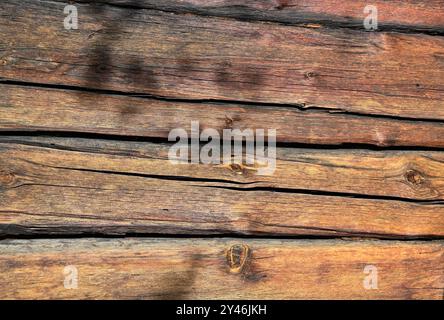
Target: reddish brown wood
(39, 109)
(420, 15)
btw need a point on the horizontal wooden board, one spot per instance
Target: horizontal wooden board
(220, 269)
(197, 57)
(420, 15)
(72, 186)
(39, 109)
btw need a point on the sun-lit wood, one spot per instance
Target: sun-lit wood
(201, 269)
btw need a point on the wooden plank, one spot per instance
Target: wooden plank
(220, 269)
(409, 15)
(39, 109)
(74, 186)
(196, 57)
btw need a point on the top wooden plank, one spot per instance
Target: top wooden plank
(409, 15)
(198, 57)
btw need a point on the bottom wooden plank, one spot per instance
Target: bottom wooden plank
(221, 268)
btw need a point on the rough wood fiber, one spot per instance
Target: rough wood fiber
(196, 57)
(201, 269)
(70, 186)
(39, 109)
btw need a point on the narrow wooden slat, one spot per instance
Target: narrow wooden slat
(220, 269)
(72, 186)
(195, 57)
(37, 109)
(418, 15)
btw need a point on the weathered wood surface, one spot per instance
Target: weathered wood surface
(198, 57)
(419, 15)
(71, 186)
(215, 269)
(135, 70)
(25, 108)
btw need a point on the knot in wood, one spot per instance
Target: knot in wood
(241, 169)
(310, 74)
(228, 122)
(414, 177)
(6, 178)
(281, 4)
(238, 257)
(236, 167)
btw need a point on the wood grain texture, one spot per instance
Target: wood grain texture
(24, 108)
(419, 15)
(200, 269)
(74, 186)
(135, 70)
(196, 57)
